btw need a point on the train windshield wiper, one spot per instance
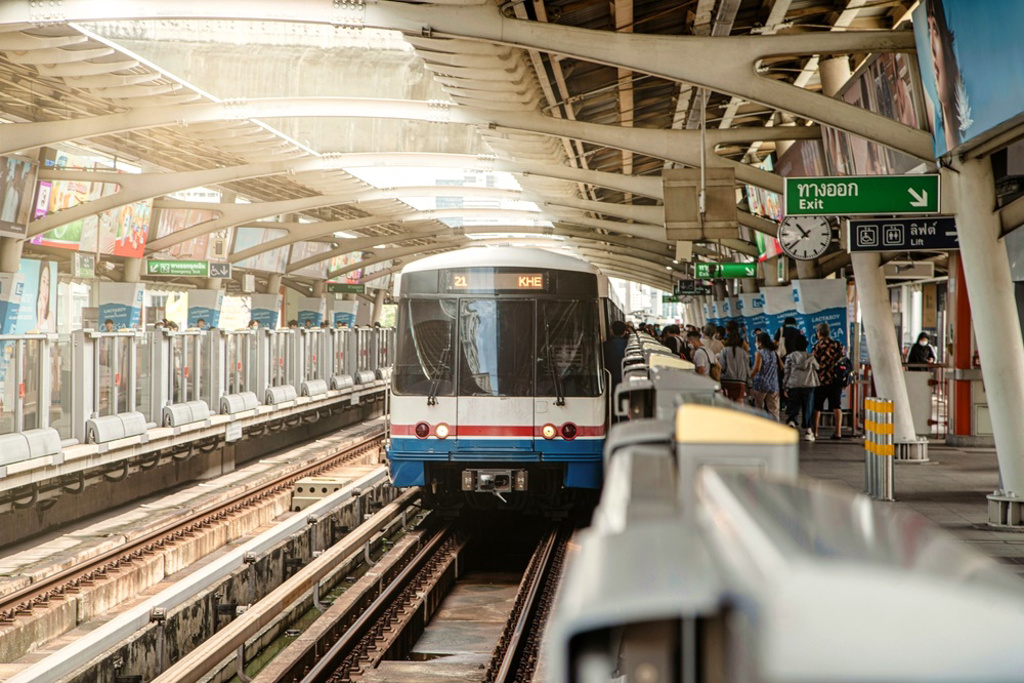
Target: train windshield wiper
(442, 362)
(559, 394)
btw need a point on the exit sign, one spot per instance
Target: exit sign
(857, 195)
(707, 271)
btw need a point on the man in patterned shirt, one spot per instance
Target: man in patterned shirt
(828, 352)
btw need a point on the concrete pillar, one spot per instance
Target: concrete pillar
(807, 270)
(719, 290)
(378, 305)
(10, 254)
(319, 288)
(273, 284)
(748, 285)
(994, 313)
(883, 347)
(771, 271)
(133, 270)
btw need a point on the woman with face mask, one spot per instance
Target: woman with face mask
(920, 354)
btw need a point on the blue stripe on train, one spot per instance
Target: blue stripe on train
(406, 458)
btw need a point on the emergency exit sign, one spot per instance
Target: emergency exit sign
(860, 195)
(707, 271)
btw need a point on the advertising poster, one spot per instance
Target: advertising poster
(123, 231)
(885, 88)
(17, 177)
(778, 305)
(344, 312)
(345, 262)
(304, 250)
(266, 309)
(11, 287)
(714, 315)
(121, 303)
(972, 67)
(208, 247)
(311, 308)
(821, 301)
(272, 261)
(705, 309)
(754, 319)
(37, 311)
(205, 304)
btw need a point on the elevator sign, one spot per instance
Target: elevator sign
(860, 195)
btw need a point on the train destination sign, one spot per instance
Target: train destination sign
(690, 288)
(706, 271)
(485, 281)
(859, 195)
(904, 234)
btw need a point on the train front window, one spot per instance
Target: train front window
(568, 349)
(426, 348)
(496, 348)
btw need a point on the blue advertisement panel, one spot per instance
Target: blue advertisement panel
(311, 308)
(266, 309)
(205, 305)
(971, 59)
(754, 320)
(38, 299)
(344, 318)
(778, 305)
(821, 301)
(122, 304)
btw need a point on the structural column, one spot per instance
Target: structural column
(873, 296)
(961, 306)
(994, 312)
(378, 305)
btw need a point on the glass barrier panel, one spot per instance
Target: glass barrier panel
(63, 381)
(144, 377)
(31, 376)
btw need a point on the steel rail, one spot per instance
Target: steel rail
(64, 661)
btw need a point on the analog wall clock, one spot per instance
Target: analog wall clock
(805, 237)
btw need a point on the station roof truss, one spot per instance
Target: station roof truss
(584, 102)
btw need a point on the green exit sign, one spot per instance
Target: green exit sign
(345, 288)
(857, 195)
(708, 271)
(178, 268)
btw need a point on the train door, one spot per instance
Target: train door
(496, 380)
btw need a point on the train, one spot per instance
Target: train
(499, 394)
(709, 559)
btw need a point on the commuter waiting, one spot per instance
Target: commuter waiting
(801, 378)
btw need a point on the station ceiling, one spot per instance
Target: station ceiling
(121, 78)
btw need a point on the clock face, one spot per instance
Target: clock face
(805, 237)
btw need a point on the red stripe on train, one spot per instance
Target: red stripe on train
(497, 430)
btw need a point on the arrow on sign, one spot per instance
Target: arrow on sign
(954, 234)
(921, 199)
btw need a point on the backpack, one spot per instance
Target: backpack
(714, 369)
(843, 371)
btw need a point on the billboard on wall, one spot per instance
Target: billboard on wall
(16, 182)
(37, 307)
(121, 231)
(208, 247)
(884, 87)
(971, 59)
(271, 261)
(304, 250)
(345, 262)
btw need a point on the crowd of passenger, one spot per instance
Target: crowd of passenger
(790, 378)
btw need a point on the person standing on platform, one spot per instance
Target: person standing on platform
(921, 354)
(614, 351)
(699, 355)
(735, 362)
(766, 376)
(711, 342)
(801, 378)
(828, 352)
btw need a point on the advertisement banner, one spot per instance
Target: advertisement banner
(305, 250)
(37, 311)
(208, 247)
(344, 312)
(121, 304)
(311, 308)
(12, 285)
(714, 313)
(754, 319)
(266, 309)
(821, 301)
(17, 177)
(205, 305)
(778, 305)
(272, 261)
(970, 63)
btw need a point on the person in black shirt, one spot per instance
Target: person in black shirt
(921, 353)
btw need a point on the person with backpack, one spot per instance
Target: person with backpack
(766, 376)
(801, 377)
(831, 361)
(703, 361)
(734, 360)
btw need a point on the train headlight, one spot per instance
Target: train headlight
(422, 430)
(441, 431)
(549, 431)
(568, 431)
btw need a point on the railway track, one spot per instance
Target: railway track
(383, 615)
(73, 580)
